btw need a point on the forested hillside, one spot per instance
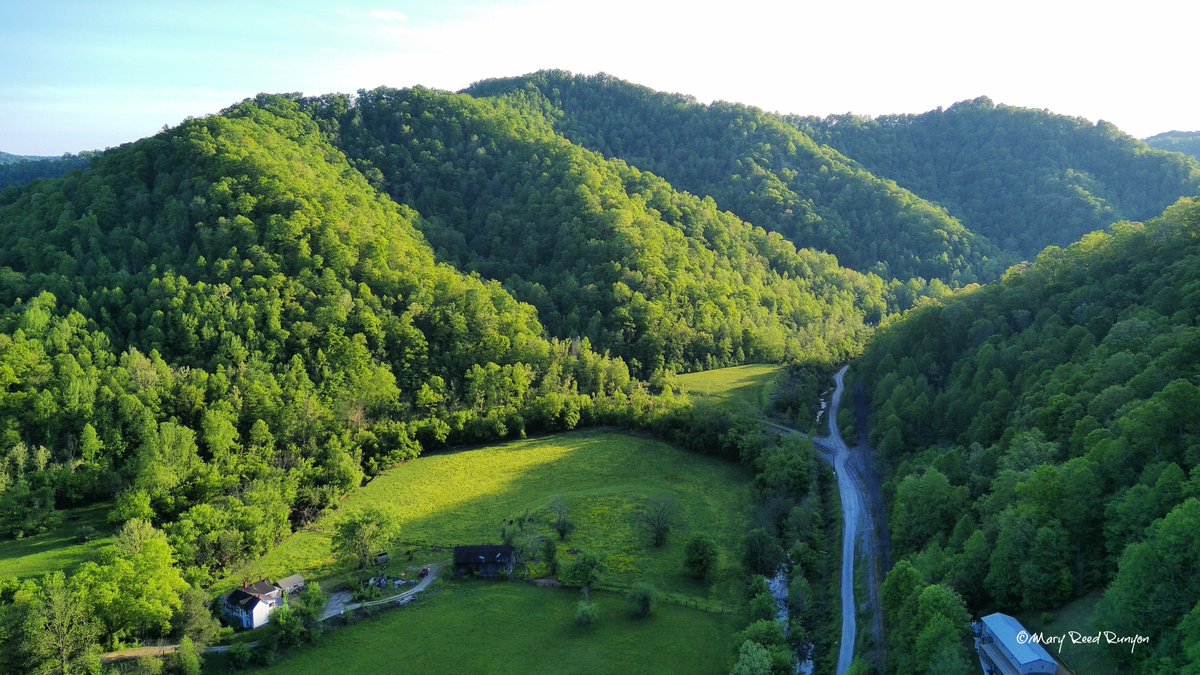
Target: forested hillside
(1187, 142)
(603, 250)
(1023, 178)
(226, 328)
(762, 169)
(9, 158)
(21, 171)
(1042, 440)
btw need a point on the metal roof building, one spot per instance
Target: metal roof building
(1004, 648)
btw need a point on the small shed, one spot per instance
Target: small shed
(381, 559)
(292, 585)
(487, 561)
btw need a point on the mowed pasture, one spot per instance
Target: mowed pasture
(605, 478)
(492, 627)
(57, 550)
(741, 386)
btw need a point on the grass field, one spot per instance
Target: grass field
(739, 386)
(56, 550)
(603, 477)
(478, 627)
(1084, 659)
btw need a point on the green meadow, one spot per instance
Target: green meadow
(496, 627)
(742, 386)
(604, 477)
(56, 550)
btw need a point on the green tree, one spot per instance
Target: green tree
(61, 636)
(563, 524)
(700, 557)
(187, 659)
(753, 659)
(641, 600)
(761, 553)
(360, 535)
(134, 586)
(584, 572)
(586, 613)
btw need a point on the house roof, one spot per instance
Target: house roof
(482, 554)
(261, 587)
(240, 598)
(1006, 629)
(294, 581)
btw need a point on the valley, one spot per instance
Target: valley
(659, 371)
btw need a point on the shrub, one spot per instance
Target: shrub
(763, 607)
(700, 557)
(642, 598)
(762, 554)
(186, 660)
(240, 655)
(586, 613)
(85, 533)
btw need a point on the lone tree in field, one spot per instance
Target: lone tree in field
(362, 534)
(700, 556)
(563, 524)
(658, 515)
(642, 598)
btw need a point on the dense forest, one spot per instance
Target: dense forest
(761, 168)
(603, 250)
(225, 328)
(1187, 142)
(1041, 438)
(1023, 178)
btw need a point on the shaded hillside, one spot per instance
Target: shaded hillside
(226, 327)
(1023, 178)
(9, 158)
(1041, 436)
(1187, 142)
(24, 171)
(603, 250)
(762, 169)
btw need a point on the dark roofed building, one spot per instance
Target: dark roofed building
(1004, 648)
(489, 562)
(251, 605)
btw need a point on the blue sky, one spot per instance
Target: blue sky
(81, 75)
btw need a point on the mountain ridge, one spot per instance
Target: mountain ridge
(766, 171)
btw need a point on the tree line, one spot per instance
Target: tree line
(1041, 440)
(763, 169)
(1021, 177)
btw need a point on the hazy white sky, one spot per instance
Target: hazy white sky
(91, 74)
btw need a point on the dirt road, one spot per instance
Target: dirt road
(337, 603)
(862, 509)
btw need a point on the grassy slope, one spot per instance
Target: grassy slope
(740, 385)
(1075, 616)
(462, 497)
(516, 628)
(56, 550)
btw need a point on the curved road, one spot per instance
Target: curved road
(857, 521)
(852, 494)
(332, 609)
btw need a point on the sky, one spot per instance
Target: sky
(79, 75)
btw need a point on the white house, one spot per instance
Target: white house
(251, 605)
